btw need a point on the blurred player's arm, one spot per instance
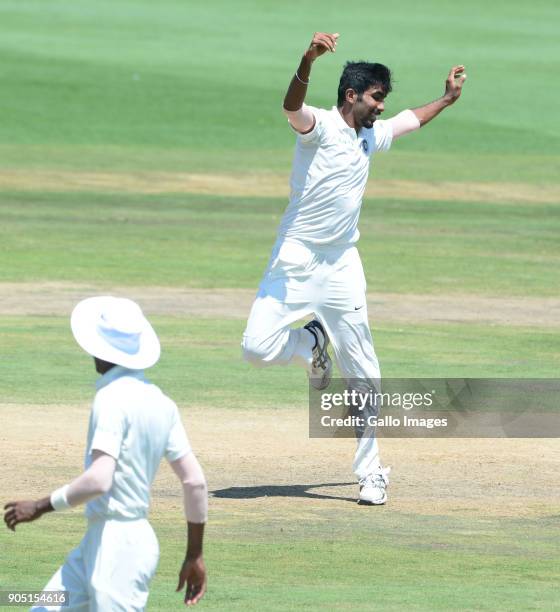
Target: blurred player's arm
(95, 481)
(453, 89)
(195, 498)
(299, 115)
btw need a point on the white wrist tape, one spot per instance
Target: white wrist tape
(58, 498)
(302, 120)
(403, 123)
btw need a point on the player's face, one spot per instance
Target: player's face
(369, 106)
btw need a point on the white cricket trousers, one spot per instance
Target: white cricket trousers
(111, 568)
(330, 283)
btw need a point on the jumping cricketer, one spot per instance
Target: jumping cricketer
(315, 267)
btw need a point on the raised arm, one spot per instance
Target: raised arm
(95, 481)
(453, 88)
(195, 498)
(300, 117)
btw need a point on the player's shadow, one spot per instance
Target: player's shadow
(282, 491)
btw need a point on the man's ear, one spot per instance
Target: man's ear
(350, 95)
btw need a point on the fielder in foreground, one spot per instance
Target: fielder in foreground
(132, 426)
(315, 267)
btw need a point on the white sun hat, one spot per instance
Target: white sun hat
(115, 330)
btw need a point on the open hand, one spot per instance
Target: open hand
(193, 573)
(454, 83)
(21, 512)
(320, 44)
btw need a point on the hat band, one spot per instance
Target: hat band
(126, 342)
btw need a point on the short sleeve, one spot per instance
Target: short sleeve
(177, 443)
(108, 427)
(315, 135)
(382, 135)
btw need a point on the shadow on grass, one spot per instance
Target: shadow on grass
(281, 491)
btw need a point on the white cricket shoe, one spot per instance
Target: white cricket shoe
(373, 488)
(321, 366)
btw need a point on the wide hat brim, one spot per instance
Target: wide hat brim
(84, 323)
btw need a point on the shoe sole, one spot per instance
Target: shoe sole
(326, 379)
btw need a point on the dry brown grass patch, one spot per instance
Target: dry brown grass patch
(266, 185)
(269, 464)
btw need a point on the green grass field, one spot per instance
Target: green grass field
(400, 562)
(128, 88)
(204, 241)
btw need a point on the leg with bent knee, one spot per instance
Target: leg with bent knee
(269, 339)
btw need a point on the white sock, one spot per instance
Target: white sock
(303, 353)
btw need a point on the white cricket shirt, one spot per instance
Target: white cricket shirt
(134, 422)
(329, 175)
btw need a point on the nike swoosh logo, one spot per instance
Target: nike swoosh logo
(358, 307)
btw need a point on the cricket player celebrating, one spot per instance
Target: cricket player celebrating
(315, 266)
(132, 426)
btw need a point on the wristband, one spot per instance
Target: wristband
(59, 500)
(301, 80)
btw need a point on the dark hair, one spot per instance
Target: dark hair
(360, 76)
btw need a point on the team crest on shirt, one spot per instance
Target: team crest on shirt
(364, 145)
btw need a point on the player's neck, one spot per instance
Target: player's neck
(347, 115)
